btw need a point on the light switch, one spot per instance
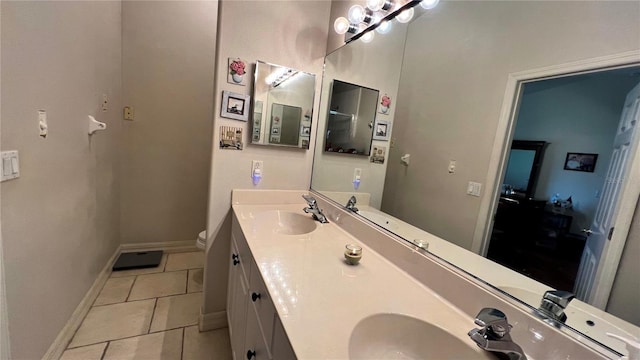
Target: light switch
(10, 165)
(474, 188)
(6, 167)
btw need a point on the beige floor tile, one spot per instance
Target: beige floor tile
(159, 268)
(157, 285)
(159, 346)
(117, 321)
(115, 290)
(186, 260)
(195, 280)
(176, 311)
(93, 352)
(208, 345)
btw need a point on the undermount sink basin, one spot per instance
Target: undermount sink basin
(395, 336)
(286, 223)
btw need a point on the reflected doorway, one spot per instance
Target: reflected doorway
(540, 215)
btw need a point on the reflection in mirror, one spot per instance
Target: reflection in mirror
(282, 106)
(448, 82)
(350, 119)
(523, 168)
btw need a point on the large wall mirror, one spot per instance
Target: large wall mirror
(282, 106)
(447, 72)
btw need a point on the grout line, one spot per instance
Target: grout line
(131, 288)
(165, 263)
(184, 332)
(186, 286)
(122, 338)
(153, 314)
(104, 352)
(122, 302)
(177, 327)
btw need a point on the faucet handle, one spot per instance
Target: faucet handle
(559, 297)
(493, 320)
(309, 199)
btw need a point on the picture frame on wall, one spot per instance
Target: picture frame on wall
(235, 106)
(580, 162)
(381, 130)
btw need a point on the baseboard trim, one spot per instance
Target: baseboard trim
(212, 321)
(166, 246)
(66, 334)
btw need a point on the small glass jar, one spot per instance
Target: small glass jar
(352, 254)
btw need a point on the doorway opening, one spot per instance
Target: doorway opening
(555, 172)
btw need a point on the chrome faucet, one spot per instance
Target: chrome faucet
(314, 210)
(351, 204)
(494, 335)
(553, 304)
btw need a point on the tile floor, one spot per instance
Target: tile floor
(150, 314)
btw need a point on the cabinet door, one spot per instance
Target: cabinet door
(255, 347)
(262, 302)
(238, 293)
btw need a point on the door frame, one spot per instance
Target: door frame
(608, 267)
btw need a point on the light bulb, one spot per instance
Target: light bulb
(356, 14)
(366, 38)
(405, 16)
(375, 5)
(384, 27)
(429, 4)
(341, 25)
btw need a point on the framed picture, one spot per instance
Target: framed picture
(230, 138)
(381, 130)
(305, 130)
(580, 162)
(237, 71)
(377, 155)
(305, 143)
(235, 106)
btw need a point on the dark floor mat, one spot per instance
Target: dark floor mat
(138, 260)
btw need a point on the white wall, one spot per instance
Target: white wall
(60, 219)
(288, 33)
(454, 75)
(574, 115)
(4, 316)
(355, 64)
(168, 57)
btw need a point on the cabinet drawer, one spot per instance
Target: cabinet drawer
(255, 347)
(262, 302)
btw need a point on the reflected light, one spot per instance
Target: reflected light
(429, 4)
(405, 16)
(384, 27)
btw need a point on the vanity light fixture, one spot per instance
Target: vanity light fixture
(279, 76)
(360, 21)
(343, 26)
(358, 14)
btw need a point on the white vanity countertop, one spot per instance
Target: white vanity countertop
(524, 288)
(320, 299)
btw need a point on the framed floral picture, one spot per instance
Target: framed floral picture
(237, 72)
(235, 106)
(385, 105)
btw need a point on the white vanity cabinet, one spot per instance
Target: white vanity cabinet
(254, 328)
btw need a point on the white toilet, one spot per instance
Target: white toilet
(201, 242)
